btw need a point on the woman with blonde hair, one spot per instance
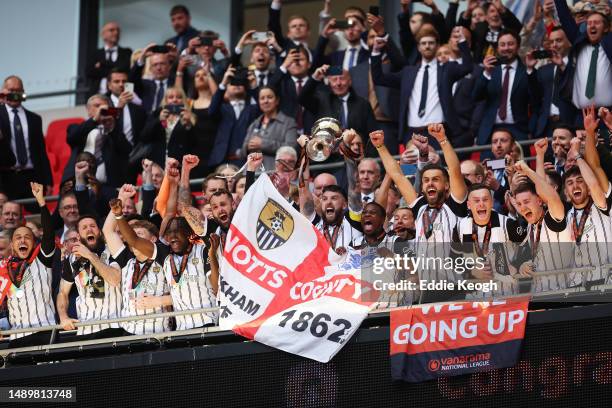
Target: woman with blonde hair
(170, 130)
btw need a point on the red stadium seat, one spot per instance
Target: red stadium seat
(475, 156)
(55, 141)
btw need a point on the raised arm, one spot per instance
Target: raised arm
(112, 238)
(146, 247)
(47, 244)
(307, 203)
(393, 168)
(540, 148)
(591, 155)
(546, 192)
(190, 161)
(597, 193)
(458, 188)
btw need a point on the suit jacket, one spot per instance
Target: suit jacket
(468, 111)
(524, 96)
(115, 152)
(289, 104)
(231, 131)
(96, 74)
(407, 40)
(274, 25)
(323, 103)
(181, 142)
(280, 132)
(146, 88)
(36, 140)
(567, 111)
(336, 57)
(404, 80)
(578, 40)
(189, 33)
(388, 98)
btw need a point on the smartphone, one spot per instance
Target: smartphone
(114, 112)
(496, 164)
(409, 169)
(375, 10)
(15, 97)
(129, 87)
(542, 54)
(343, 24)
(159, 49)
(334, 70)
(175, 109)
(206, 40)
(259, 36)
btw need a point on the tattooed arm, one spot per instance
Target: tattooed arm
(184, 192)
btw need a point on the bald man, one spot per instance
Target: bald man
(472, 171)
(110, 56)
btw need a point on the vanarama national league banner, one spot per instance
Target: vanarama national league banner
(282, 285)
(441, 340)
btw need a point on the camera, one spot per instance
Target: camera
(240, 76)
(159, 49)
(112, 112)
(16, 97)
(175, 109)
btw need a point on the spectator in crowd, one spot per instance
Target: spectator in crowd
(589, 74)
(68, 209)
(554, 108)
(261, 56)
(471, 16)
(562, 134)
(151, 91)
(181, 23)
(269, 131)
(473, 171)
(337, 41)
(170, 130)
(100, 136)
(298, 29)
(92, 196)
(22, 149)
(110, 56)
(235, 115)
(228, 172)
(411, 24)
(3, 199)
(510, 90)
(355, 52)
(403, 223)
(426, 89)
(5, 243)
(290, 79)
(201, 54)
(11, 216)
(498, 20)
(368, 178)
(502, 142)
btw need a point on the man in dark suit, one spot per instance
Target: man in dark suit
(106, 58)
(355, 52)
(181, 23)
(486, 33)
(234, 116)
(554, 108)
(100, 136)
(425, 89)
(298, 29)
(261, 56)
(510, 90)
(132, 117)
(23, 157)
(204, 55)
(588, 76)
(339, 101)
(289, 80)
(151, 92)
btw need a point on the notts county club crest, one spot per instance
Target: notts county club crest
(274, 226)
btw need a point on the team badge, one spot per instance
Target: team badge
(195, 261)
(156, 269)
(274, 226)
(103, 257)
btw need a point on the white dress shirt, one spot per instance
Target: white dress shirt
(266, 77)
(127, 120)
(509, 115)
(347, 56)
(603, 80)
(433, 108)
(370, 197)
(238, 107)
(24, 126)
(90, 146)
(113, 56)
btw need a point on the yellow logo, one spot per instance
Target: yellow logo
(274, 226)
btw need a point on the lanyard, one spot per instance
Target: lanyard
(535, 242)
(578, 226)
(177, 274)
(485, 242)
(428, 221)
(140, 273)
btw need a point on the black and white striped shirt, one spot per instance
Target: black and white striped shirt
(31, 304)
(193, 290)
(349, 233)
(505, 236)
(438, 243)
(594, 246)
(153, 283)
(97, 299)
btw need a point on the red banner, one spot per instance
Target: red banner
(439, 340)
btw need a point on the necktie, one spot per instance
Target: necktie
(366, 198)
(591, 79)
(503, 104)
(109, 55)
(300, 110)
(262, 80)
(179, 43)
(22, 153)
(344, 113)
(424, 87)
(352, 57)
(99, 144)
(556, 80)
(159, 96)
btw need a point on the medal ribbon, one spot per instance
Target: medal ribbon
(16, 264)
(428, 221)
(578, 226)
(535, 242)
(485, 242)
(177, 274)
(140, 273)
(334, 236)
